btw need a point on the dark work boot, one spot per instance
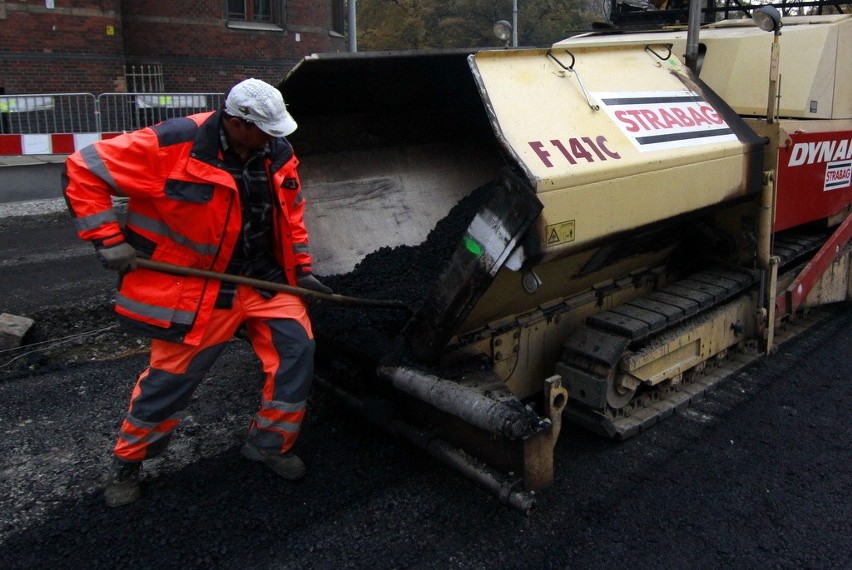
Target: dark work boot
(122, 486)
(287, 465)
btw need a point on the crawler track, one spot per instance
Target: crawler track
(644, 325)
(647, 409)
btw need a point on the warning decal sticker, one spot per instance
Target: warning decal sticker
(665, 119)
(563, 232)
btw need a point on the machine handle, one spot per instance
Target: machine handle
(571, 69)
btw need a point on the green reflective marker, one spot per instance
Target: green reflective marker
(473, 246)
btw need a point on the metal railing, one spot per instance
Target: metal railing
(130, 111)
(49, 113)
(107, 113)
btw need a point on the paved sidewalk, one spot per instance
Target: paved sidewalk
(31, 159)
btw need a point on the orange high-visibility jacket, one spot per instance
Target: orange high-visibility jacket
(183, 208)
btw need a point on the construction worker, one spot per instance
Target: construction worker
(216, 191)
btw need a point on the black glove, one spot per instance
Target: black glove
(120, 257)
(312, 283)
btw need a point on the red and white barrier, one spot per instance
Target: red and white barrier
(61, 143)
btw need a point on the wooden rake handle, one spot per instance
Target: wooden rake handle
(270, 286)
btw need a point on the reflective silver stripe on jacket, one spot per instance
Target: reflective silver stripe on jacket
(300, 247)
(155, 311)
(95, 220)
(96, 165)
(159, 228)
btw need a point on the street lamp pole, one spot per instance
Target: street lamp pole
(514, 23)
(353, 33)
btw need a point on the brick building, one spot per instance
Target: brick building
(103, 46)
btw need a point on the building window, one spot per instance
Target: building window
(252, 10)
(257, 14)
(338, 16)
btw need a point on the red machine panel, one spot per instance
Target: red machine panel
(814, 177)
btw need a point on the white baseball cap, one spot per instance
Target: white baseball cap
(262, 104)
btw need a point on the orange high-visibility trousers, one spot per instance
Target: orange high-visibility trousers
(280, 334)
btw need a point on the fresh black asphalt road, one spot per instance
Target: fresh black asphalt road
(756, 475)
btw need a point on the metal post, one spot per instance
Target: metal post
(774, 262)
(98, 120)
(691, 55)
(353, 28)
(514, 23)
(766, 220)
(772, 103)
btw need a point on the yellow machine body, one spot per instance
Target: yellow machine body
(631, 231)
